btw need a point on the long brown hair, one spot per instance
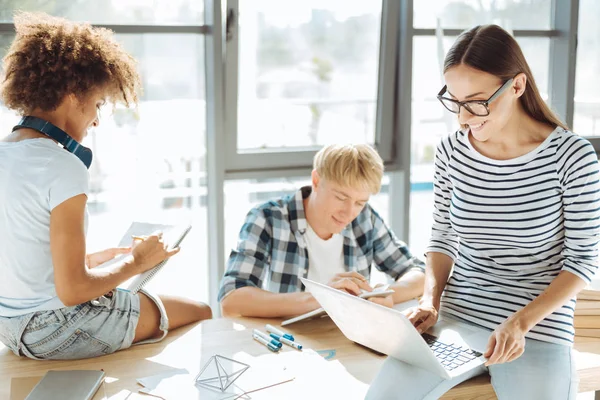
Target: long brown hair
(491, 49)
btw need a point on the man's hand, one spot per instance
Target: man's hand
(94, 259)
(423, 317)
(351, 282)
(507, 343)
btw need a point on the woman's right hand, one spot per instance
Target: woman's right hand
(150, 250)
(423, 317)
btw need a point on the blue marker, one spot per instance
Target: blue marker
(286, 341)
(269, 346)
(272, 329)
(263, 335)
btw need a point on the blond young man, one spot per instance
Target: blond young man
(326, 232)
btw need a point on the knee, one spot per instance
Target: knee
(202, 311)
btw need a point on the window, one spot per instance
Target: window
(308, 73)
(150, 162)
(126, 12)
(8, 119)
(587, 82)
(464, 14)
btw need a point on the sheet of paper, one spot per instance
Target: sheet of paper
(151, 382)
(179, 384)
(182, 387)
(314, 378)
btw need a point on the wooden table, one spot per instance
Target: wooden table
(192, 346)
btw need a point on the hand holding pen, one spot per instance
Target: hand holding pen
(150, 250)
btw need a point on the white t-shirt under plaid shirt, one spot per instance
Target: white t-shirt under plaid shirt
(511, 226)
(325, 257)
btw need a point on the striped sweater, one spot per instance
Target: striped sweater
(512, 225)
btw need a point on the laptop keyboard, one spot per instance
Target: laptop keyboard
(451, 356)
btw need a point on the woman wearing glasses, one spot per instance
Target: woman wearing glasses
(516, 221)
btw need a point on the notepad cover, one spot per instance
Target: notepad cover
(67, 385)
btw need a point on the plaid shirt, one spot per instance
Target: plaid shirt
(272, 253)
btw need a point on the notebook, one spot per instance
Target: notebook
(380, 291)
(67, 385)
(173, 235)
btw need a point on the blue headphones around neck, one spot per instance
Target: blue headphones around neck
(70, 144)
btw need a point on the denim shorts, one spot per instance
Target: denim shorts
(82, 331)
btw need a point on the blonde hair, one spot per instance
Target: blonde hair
(350, 165)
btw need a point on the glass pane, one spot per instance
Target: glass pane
(149, 163)
(307, 72)
(587, 82)
(464, 14)
(125, 12)
(242, 195)
(8, 118)
(431, 121)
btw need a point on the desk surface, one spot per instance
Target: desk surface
(192, 346)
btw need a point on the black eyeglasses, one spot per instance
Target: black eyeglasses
(480, 108)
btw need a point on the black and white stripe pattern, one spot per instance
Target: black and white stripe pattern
(512, 225)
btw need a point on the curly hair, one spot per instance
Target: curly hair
(52, 57)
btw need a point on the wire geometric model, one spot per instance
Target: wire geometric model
(220, 372)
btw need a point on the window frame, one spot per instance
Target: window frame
(247, 162)
(393, 107)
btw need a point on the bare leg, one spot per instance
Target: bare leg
(180, 312)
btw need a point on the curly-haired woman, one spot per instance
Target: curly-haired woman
(53, 303)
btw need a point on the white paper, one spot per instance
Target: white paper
(151, 382)
(180, 384)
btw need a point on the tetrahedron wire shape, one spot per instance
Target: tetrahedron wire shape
(220, 372)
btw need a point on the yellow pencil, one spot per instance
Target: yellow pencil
(139, 237)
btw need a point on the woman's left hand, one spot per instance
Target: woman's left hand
(94, 259)
(506, 344)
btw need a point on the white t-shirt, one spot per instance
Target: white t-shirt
(325, 257)
(36, 175)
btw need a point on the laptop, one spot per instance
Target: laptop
(448, 349)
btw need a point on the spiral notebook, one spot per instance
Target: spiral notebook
(173, 235)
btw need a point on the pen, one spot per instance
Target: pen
(272, 329)
(263, 335)
(269, 346)
(287, 341)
